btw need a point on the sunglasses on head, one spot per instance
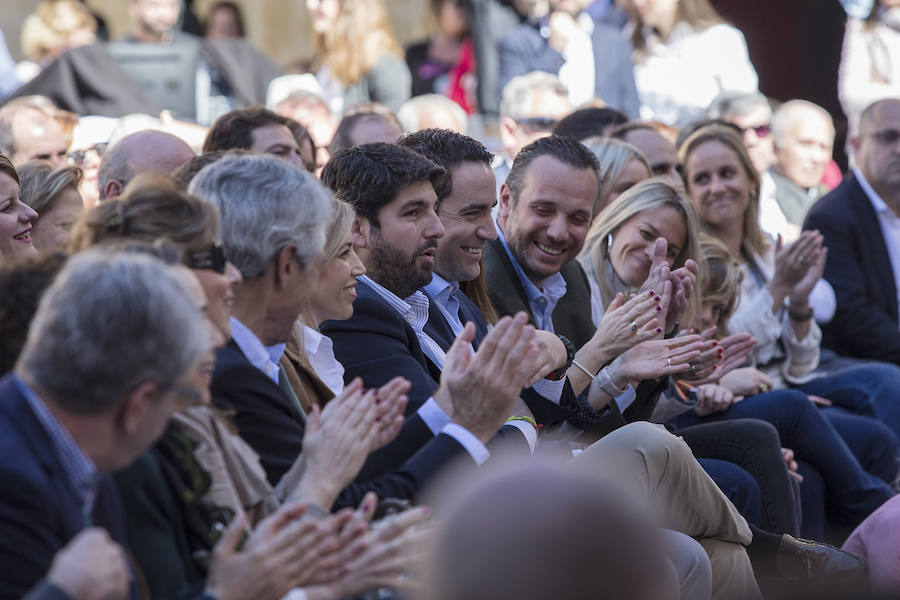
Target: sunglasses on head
(211, 257)
(77, 157)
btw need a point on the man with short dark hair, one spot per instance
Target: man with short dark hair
(365, 125)
(860, 221)
(660, 152)
(261, 131)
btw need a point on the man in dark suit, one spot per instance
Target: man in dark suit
(860, 221)
(69, 417)
(591, 58)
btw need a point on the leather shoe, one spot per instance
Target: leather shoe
(815, 561)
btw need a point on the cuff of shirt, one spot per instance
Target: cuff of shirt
(527, 430)
(433, 416)
(823, 302)
(467, 440)
(295, 594)
(551, 390)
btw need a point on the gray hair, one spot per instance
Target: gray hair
(730, 105)
(410, 114)
(792, 110)
(518, 91)
(110, 322)
(265, 204)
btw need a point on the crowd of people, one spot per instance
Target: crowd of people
(330, 335)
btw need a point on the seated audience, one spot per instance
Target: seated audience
(592, 59)
(371, 69)
(432, 111)
(444, 64)
(262, 132)
(310, 110)
(90, 139)
(53, 194)
(860, 224)
(29, 133)
(16, 218)
(146, 151)
(685, 56)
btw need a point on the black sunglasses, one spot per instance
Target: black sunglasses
(212, 257)
(533, 124)
(77, 157)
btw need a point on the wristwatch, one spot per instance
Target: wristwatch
(570, 356)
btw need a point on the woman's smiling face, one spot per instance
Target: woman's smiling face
(633, 243)
(16, 219)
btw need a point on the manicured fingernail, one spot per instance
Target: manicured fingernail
(658, 330)
(366, 506)
(657, 298)
(377, 419)
(658, 308)
(652, 293)
(377, 400)
(715, 367)
(715, 343)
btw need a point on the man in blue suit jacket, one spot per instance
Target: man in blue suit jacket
(85, 399)
(603, 55)
(860, 221)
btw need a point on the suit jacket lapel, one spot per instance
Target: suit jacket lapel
(876, 252)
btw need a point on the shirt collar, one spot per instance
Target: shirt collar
(414, 308)
(878, 204)
(439, 289)
(312, 339)
(79, 468)
(252, 346)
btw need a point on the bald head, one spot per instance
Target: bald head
(803, 136)
(146, 151)
(877, 151)
(29, 133)
(571, 536)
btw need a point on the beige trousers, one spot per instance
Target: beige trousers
(658, 468)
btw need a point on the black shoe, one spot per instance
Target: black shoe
(807, 560)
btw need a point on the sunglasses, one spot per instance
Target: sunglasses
(212, 257)
(760, 130)
(77, 157)
(533, 124)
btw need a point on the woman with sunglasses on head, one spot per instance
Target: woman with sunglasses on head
(210, 471)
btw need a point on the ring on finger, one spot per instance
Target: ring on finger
(692, 367)
(634, 326)
(669, 362)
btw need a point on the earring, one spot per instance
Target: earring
(609, 241)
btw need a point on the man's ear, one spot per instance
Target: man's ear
(132, 412)
(508, 133)
(113, 188)
(361, 232)
(285, 264)
(855, 142)
(504, 204)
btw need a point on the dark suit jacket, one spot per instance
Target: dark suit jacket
(269, 422)
(572, 319)
(524, 49)
(39, 509)
(859, 270)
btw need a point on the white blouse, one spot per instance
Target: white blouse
(677, 79)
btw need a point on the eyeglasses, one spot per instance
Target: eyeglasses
(77, 157)
(212, 257)
(885, 137)
(534, 124)
(760, 130)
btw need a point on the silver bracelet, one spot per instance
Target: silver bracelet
(586, 372)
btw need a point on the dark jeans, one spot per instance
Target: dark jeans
(754, 446)
(851, 493)
(738, 485)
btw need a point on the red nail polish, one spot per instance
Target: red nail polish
(652, 292)
(715, 343)
(377, 419)
(658, 330)
(658, 308)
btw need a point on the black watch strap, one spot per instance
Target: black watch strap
(570, 356)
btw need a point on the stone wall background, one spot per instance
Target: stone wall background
(280, 28)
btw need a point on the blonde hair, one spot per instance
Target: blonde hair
(613, 156)
(651, 194)
(728, 136)
(359, 38)
(336, 234)
(52, 25)
(720, 281)
(41, 183)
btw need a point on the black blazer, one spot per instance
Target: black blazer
(268, 421)
(859, 270)
(524, 50)
(39, 509)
